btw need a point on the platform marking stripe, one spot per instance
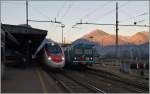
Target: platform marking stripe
(42, 81)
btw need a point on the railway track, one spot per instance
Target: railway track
(137, 87)
(84, 83)
(106, 85)
(72, 85)
(92, 82)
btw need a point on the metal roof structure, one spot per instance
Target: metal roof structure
(26, 36)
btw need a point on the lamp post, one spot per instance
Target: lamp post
(62, 26)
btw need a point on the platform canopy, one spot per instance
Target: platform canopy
(25, 36)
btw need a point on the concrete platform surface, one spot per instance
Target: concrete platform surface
(29, 80)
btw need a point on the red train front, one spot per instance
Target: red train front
(54, 55)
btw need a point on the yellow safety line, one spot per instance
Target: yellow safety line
(41, 81)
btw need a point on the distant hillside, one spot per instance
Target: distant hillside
(139, 38)
(129, 46)
(100, 37)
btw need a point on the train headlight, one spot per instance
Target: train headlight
(49, 58)
(75, 58)
(63, 58)
(91, 58)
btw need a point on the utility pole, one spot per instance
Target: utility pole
(64, 40)
(117, 29)
(62, 26)
(28, 41)
(117, 24)
(27, 12)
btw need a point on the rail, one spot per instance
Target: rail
(72, 85)
(139, 87)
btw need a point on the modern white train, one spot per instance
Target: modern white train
(51, 54)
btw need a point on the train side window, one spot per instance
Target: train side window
(87, 51)
(78, 51)
(46, 45)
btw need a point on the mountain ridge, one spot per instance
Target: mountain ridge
(106, 39)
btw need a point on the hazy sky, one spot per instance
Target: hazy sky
(70, 12)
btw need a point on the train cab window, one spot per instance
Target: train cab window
(87, 51)
(78, 51)
(53, 48)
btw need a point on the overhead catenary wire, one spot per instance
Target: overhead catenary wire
(96, 9)
(124, 12)
(140, 21)
(90, 13)
(51, 21)
(58, 13)
(35, 9)
(131, 18)
(64, 15)
(87, 15)
(45, 16)
(67, 11)
(104, 5)
(39, 12)
(45, 21)
(62, 25)
(11, 2)
(61, 8)
(109, 12)
(112, 10)
(139, 15)
(111, 24)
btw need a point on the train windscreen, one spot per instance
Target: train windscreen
(88, 51)
(53, 48)
(78, 51)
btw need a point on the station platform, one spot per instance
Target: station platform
(27, 80)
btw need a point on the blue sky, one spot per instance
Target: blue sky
(70, 12)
